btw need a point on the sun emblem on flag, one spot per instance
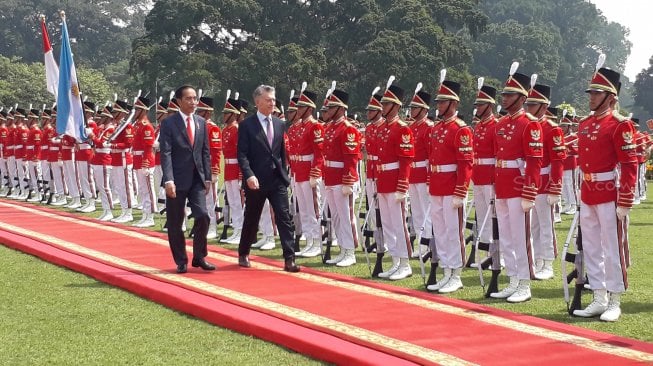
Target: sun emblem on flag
(75, 90)
(628, 137)
(535, 134)
(464, 140)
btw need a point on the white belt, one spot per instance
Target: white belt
(510, 164)
(10, 146)
(54, 148)
(118, 151)
(84, 146)
(334, 164)
(31, 147)
(104, 150)
(446, 168)
(372, 157)
(546, 170)
(45, 147)
(66, 148)
(485, 161)
(231, 161)
(138, 153)
(420, 164)
(18, 146)
(388, 166)
(598, 177)
(301, 157)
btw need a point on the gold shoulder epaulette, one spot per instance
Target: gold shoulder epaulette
(402, 122)
(531, 117)
(460, 122)
(619, 116)
(552, 122)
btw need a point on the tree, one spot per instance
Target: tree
(643, 88)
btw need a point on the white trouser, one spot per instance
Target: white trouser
(135, 186)
(370, 189)
(86, 182)
(448, 226)
(20, 172)
(34, 168)
(393, 223)
(3, 172)
(121, 181)
(601, 250)
(211, 199)
(11, 171)
(232, 187)
(308, 203)
(265, 223)
(343, 221)
(146, 194)
(57, 175)
(544, 239)
(419, 203)
(483, 194)
(102, 176)
(641, 181)
(70, 173)
(158, 176)
(46, 174)
(568, 187)
(515, 243)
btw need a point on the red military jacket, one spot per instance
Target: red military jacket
(20, 142)
(157, 151)
(33, 152)
(571, 142)
(143, 143)
(4, 137)
(292, 137)
(67, 147)
(421, 134)
(603, 142)
(554, 154)
(54, 147)
(121, 148)
(371, 148)
(306, 156)
(451, 156)
(215, 145)
(46, 136)
(518, 141)
(84, 151)
(484, 157)
(396, 152)
(102, 155)
(11, 139)
(230, 152)
(641, 140)
(341, 153)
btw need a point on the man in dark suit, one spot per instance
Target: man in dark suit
(262, 160)
(186, 167)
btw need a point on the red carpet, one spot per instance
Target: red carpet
(327, 316)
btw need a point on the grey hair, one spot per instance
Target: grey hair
(262, 89)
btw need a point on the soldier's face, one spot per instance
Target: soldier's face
(389, 109)
(599, 99)
(372, 115)
(510, 101)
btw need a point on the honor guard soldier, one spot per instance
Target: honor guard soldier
(341, 156)
(548, 195)
(232, 176)
(69, 171)
(307, 162)
(143, 150)
(33, 155)
(396, 152)
(161, 113)
(20, 143)
(122, 162)
(418, 181)
(83, 157)
(14, 192)
(605, 141)
(56, 165)
(4, 173)
(451, 156)
(642, 140)
(205, 110)
(46, 136)
(570, 165)
(517, 178)
(101, 162)
(375, 117)
(484, 159)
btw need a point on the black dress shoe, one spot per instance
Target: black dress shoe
(182, 268)
(290, 265)
(243, 261)
(203, 265)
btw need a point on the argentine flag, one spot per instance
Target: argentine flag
(70, 114)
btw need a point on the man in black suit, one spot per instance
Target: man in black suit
(186, 167)
(262, 160)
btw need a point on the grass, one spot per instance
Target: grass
(51, 315)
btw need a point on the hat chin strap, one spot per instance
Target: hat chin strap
(508, 108)
(605, 98)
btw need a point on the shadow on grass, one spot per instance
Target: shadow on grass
(89, 285)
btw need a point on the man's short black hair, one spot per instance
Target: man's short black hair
(180, 91)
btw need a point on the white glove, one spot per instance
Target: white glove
(457, 202)
(622, 212)
(156, 145)
(88, 131)
(214, 178)
(526, 205)
(347, 190)
(400, 196)
(313, 182)
(552, 199)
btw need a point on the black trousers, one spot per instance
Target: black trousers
(254, 201)
(176, 211)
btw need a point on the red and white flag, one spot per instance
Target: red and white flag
(51, 68)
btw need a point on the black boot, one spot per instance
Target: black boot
(494, 283)
(472, 257)
(432, 276)
(378, 266)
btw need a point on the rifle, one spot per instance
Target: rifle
(495, 255)
(122, 125)
(378, 239)
(218, 208)
(328, 235)
(363, 227)
(226, 217)
(297, 222)
(476, 242)
(419, 244)
(570, 257)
